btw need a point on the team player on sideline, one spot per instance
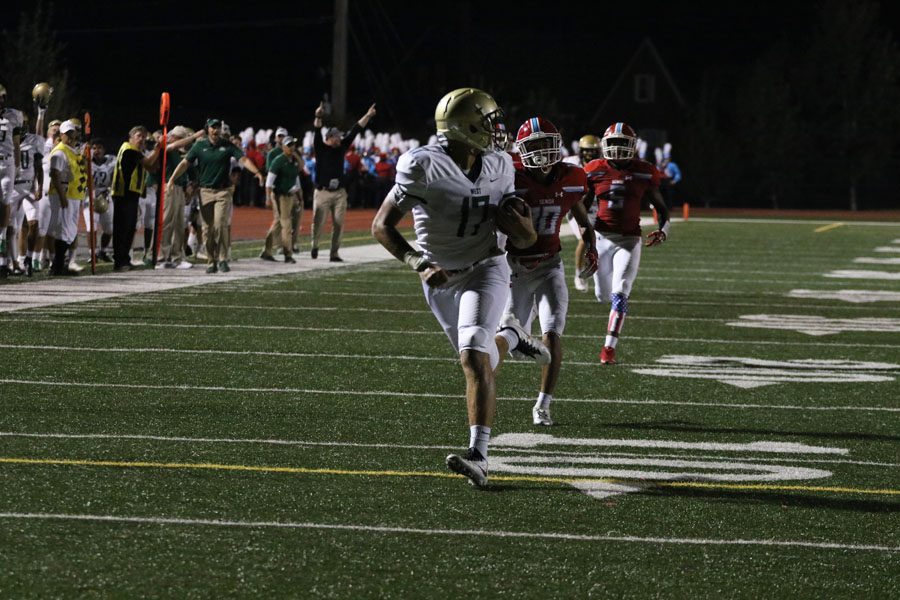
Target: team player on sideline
(453, 189)
(102, 167)
(588, 150)
(551, 189)
(10, 139)
(27, 195)
(622, 184)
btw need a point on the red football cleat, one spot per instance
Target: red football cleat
(608, 355)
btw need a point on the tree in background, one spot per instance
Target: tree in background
(32, 53)
(850, 91)
(773, 142)
(708, 143)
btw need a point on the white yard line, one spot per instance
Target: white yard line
(132, 324)
(389, 394)
(317, 355)
(54, 292)
(382, 529)
(393, 446)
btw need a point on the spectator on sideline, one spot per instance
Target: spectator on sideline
(128, 185)
(68, 180)
(213, 159)
(331, 194)
(172, 240)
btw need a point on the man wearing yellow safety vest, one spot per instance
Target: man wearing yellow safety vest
(68, 181)
(128, 183)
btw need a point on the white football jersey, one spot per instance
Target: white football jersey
(31, 149)
(10, 120)
(59, 162)
(573, 160)
(102, 173)
(453, 215)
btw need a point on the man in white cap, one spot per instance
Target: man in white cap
(172, 241)
(68, 181)
(10, 139)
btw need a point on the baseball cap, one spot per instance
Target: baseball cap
(213, 122)
(289, 141)
(333, 132)
(281, 131)
(68, 126)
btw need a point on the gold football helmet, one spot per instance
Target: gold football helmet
(468, 116)
(41, 94)
(101, 203)
(588, 148)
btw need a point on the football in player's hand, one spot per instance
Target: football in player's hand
(515, 204)
(514, 219)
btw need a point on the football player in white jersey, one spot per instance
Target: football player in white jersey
(102, 167)
(588, 150)
(455, 190)
(26, 196)
(10, 140)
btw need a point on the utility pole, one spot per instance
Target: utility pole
(339, 61)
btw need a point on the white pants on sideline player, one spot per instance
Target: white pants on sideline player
(617, 267)
(103, 222)
(22, 195)
(7, 179)
(47, 215)
(544, 286)
(470, 305)
(34, 211)
(147, 208)
(64, 223)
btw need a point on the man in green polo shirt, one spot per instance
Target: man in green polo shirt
(212, 157)
(280, 182)
(274, 153)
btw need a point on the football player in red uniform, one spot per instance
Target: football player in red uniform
(588, 150)
(551, 188)
(622, 184)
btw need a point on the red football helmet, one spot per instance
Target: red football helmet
(618, 143)
(500, 137)
(539, 143)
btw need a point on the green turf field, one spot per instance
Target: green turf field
(285, 436)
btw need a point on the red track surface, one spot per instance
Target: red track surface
(252, 223)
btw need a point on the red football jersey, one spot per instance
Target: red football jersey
(549, 204)
(619, 193)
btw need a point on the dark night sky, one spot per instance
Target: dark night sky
(264, 63)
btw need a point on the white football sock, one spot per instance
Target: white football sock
(543, 401)
(611, 341)
(479, 438)
(512, 338)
